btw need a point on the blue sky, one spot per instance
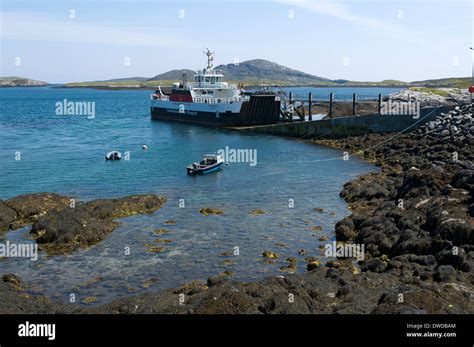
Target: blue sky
(349, 39)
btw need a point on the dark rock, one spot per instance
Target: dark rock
(394, 264)
(418, 184)
(28, 208)
(7, 216)
(270, 255)
(374, 265)
(426, 275)
(345, 229)
(88, 223)
(218, 279)
(444, 273)
(313, 265)
(333, 273)
(447, 257)
(417, 301)
(229, 302)
(425, 260)
(344, 290)
(190, 288)
(411, 245)
(464, 179)
(12, 279)
(457, 230)
(208, 211)
(333, 264)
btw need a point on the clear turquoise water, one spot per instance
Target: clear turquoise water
(65, 154)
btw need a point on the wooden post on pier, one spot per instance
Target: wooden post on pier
(331, 98)
(380, 103)
(353, 104)
(302, 110)
(290, 103)
(310, 101)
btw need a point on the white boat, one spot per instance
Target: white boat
(209, 163)
(114, 155)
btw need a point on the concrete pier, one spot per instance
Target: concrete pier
(341, 127)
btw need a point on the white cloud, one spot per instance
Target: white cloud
(344, 12)
(377, 25)
(40, 27)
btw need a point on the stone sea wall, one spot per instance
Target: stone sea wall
(341, 127)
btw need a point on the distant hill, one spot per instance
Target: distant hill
(264, 70)
(259, 72)
(256, 71)
(174, 75)
(126, 79)
(455, 82)
(13, 81)
(384, 83)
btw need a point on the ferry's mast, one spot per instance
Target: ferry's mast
(210, 59)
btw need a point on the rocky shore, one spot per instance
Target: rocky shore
(431, 96)
(422, 202)
(61, 225)
(415, 219)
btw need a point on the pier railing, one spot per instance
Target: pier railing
(330, 105)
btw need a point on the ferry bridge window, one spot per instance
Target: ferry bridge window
(207, 79)
(213, 79)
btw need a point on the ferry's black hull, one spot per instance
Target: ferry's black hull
(259, 110)
(197, 117)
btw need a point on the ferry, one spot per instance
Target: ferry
(208, 100)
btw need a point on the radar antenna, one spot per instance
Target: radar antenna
(210, 58)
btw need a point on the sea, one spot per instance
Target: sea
(295, 183)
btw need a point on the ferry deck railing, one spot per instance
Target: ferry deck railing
(202, 100)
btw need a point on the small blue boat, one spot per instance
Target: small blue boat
(209, 163)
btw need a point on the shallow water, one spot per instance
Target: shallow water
(65, 154)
